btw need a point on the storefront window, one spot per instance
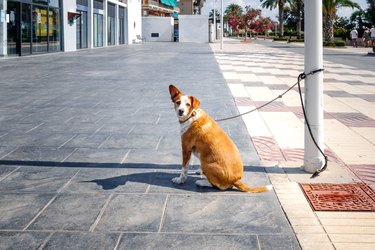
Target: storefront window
(111, 24)
(40, 29)
(54, 30)
(26, 29)
(98, 30)
(34, 27)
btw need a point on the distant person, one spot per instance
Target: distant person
(372, 31)
(366, 37)
(354, 37)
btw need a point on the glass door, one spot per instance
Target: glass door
(54, 30)
(40, 29)
(13, 29)
(122, 31)
(26, 29)
(98, 30)
(82, 30)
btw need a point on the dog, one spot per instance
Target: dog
(220, 159)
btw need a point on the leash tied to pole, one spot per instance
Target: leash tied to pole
(301, 77)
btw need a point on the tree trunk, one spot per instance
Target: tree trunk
(328, 28)
(281, 18)
(299, 18)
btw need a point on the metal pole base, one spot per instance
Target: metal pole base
(311, 165)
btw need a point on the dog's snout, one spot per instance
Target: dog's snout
(180, 112)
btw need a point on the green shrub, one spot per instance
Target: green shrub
(296, 40)
(340, 43)
(280, 39)
(329, 44)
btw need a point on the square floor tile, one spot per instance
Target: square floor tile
(133, 212)
(71, 212)
(248, 213)
(82, 240)
(17, 210)
(37, 179)
(186, 241)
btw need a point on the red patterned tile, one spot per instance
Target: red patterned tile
(293, 154)
(267, 148)
(365, 172)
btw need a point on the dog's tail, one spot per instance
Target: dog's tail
(241, 186)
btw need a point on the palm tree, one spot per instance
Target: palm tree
(233, 9)
(297, 10)
(371, 10)
(329, 15)
(271, 4)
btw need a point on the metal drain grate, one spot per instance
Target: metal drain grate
(340, 197)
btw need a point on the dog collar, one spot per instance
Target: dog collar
(192, 114)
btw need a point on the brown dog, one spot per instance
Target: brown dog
(220, 159)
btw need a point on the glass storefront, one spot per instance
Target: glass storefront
(33, 27)
(98, 23)
(111, 24)
(82, 24)
(122, 26)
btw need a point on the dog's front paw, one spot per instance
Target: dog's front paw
(179, 180)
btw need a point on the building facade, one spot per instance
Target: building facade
(164, 8)
(43, 26)
(191, 7)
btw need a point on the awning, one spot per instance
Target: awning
(172, 3)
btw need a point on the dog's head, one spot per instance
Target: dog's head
(184, 105)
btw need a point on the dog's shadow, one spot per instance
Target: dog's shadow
(158, 181)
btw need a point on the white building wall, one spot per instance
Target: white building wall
(160, 25)
(69, 30)
(134, 20)
(3, 28)
(193, 28)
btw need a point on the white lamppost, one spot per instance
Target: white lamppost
(313, 159)
(222, 25)
(214, 20)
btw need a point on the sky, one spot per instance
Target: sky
(208, 6)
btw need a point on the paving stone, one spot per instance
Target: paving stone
(187, 241)
(5, 150)
(132, 141)
(203, 213)
(70, 212)
(278, 242)
(5, 171)
(22, 240)
(133, 212)
(86, 141)
(36, 179)
(90, 157)
(111, 181)
(81, 240)
(36, 156)
(40, 139)
(158, 158)
(17, 210)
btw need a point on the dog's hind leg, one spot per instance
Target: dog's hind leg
(203, 183)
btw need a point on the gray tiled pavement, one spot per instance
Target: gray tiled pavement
(89, 142)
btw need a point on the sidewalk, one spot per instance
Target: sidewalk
(89, 143)
(256, 74)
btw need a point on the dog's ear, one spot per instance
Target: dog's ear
(194, 102)
(174, 92)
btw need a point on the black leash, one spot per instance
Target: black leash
(302, 76)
